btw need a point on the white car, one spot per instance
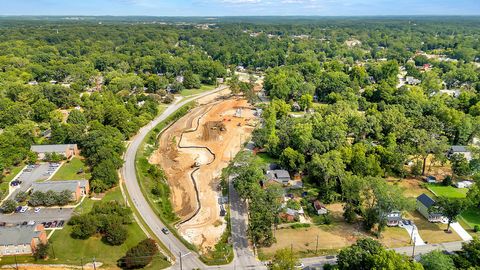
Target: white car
(37, 209)
(24, 209)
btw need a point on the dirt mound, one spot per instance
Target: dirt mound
(200, 145)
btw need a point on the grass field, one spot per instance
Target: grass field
(471, 217)
(266, 158)
(70, 169)
(9, 177)
(448, 191)
(191, 92)
(431, 232)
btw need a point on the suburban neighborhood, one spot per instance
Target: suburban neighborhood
(260, 135)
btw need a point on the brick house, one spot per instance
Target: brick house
(21, 239)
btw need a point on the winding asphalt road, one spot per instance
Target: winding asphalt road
(184, 258)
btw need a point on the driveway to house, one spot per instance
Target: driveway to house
(412, 229)
(461, 231)
(45, 215)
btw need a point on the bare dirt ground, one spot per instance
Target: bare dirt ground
(215, 125)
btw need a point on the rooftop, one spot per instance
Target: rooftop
(459, 148)
(19, 235)
(426, 200)
(51, 148)
(58, 186)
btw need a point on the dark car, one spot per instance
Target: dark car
(18, 209)
(48, 224)
(165, 231)
(60, 223)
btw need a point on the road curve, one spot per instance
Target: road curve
(189, 260)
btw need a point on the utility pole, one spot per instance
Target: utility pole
(16, 263)
(94, 264)
(411, 235)
(316, 247)
(181, 266)
(81, 261)
(53, 252)
(413, 252)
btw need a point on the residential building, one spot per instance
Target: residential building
(464, 184)
(319, 207)
(394, 218)
(78, 188)
(412, 81)
(431, 179)
(66, 150)
(21, 239)
(279, 176)
(460, 150)
(424, 205)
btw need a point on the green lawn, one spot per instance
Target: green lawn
(266, 158)
(70, 169)
(447, 191)
(191, 92)
(471, 217)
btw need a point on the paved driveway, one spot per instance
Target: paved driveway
(461, 231)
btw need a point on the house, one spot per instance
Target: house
(33, 83)
(279, 176)
(464, 184)
(319, 207)
(394, 218)
(179, 79)
(431, 179)
(451, 92)
(21, 239)
(220, 80)
(412, 81)
(460, 150)
(66, 150)
(424, 204)
(78, 188)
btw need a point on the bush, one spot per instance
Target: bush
(21, 196)
(476, 228)
(9, 206)
(115, 234)
(139, 256)
(447, 181)
(41, 252)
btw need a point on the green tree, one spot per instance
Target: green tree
(41, 251)
(191, 80)
(436, 260)
(115, 233)
(140, 255)
(292, 160)
(9, 206)
(284, 259)
(450, 208)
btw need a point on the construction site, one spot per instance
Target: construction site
(193, 152)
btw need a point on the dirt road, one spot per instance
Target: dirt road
(202, 142)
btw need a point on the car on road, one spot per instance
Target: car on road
(24, 209)
(299, 265)
(165, 231)
(37, 209)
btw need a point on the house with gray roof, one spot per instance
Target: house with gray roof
(66, 150)
(279, 176)
(78, 188)
(394, 218)
(460, 150)
(21, 239)
(424, 205)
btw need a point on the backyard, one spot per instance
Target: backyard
(447, 191)
(471, 217)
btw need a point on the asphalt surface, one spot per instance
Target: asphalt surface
(27, 178)
(45, 215)
(244, 257)
(184, 258)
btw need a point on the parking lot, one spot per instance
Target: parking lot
(44, 215)
(30, 174)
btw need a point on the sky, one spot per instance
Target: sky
(240, 7)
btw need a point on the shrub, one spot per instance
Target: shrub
(9, 206)
(41, 252)
(476, 228)
(115, 234)
(21, 196)
(139, 256)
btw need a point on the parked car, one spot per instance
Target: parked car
(18, 209)
(165, 231)
(48, 224)
(60, 224)
(37, 209)
(24, 209)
